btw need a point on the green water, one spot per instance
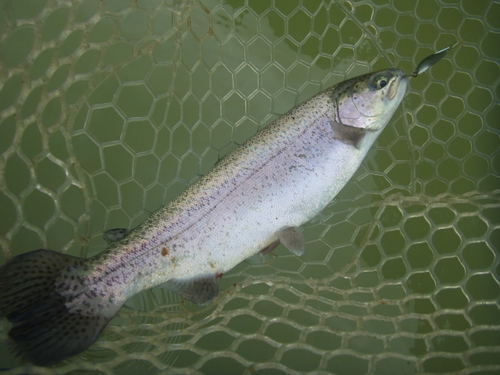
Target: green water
(108, 110)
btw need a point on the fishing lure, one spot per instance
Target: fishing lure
(431, 60)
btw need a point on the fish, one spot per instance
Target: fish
(253, 199)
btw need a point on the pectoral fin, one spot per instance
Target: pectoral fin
(200, 289)
(350, 135)
(292, 239)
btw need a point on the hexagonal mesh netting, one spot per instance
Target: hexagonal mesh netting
(110, 108)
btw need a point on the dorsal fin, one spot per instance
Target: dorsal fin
(115, 234)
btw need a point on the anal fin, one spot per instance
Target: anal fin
(199, 289)
(292, 239)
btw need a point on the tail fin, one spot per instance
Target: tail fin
(34, 291)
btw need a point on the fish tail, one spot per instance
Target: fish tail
(36, 294)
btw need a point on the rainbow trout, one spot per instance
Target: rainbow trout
(253, 199)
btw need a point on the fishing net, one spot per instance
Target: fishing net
(109, 109)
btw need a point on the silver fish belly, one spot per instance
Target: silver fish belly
(253, 199)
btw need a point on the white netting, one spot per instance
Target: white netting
(109, 109)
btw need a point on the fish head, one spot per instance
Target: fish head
(370, 100)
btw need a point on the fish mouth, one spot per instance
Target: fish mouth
(395, 84)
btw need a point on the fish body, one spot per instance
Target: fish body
(253, 199)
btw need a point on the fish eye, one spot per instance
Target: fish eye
(381, 82)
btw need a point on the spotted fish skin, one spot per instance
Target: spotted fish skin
(256, 196)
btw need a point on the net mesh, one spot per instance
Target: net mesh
(109, 109)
